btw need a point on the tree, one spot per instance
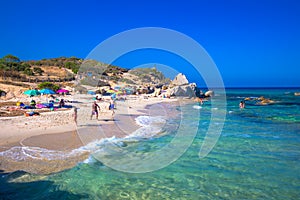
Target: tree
(24, 66)
(48, 85)
(11, 58)
(73, 66)
(28, 72)
(38, 70)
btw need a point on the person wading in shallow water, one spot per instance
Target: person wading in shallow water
(242, 104)
(95, 109)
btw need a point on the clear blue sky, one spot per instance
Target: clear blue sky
(253, 42)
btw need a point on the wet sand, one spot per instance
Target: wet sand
(57, 141)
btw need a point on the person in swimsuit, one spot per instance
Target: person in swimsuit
(242, 104)
(95, 107)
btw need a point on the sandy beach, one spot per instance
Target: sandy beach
(58, 133)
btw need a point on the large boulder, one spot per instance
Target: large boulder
(182, 91)
(180, 79)
(209, 93)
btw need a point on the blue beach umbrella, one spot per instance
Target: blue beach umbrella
(114, 95)
(47, 91)
(91, 92)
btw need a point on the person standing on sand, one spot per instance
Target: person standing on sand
(112, 106)
(95, 107)
(61, 103)
(75, 115)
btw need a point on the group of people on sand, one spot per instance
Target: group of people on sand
(96, 107)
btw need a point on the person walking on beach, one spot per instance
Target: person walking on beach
(75, 115)
(112, 105)
(95, 107)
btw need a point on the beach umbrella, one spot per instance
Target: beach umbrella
(62, 91)
(114, 95)
(119, 92)
(117, 87)
(91, 92)
(111, 91)
(47, 91)
(32, 92)
(128, 90)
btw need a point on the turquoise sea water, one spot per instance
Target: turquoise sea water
(256, 157)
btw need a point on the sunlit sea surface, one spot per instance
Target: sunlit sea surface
(256, 157)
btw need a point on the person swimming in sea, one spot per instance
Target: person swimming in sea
(242, 104)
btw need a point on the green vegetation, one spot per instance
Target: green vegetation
(90, 72)
(126, 80)
(148, 71)
(38, 70)
(11, 58)
(73, 66)
(12, 67)
(149, 75)
(48, 85)
(115, 70)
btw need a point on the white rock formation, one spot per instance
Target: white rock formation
(180, 79)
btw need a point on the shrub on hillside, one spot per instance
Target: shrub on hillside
(48, 85)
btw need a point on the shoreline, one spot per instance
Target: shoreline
(65, 136)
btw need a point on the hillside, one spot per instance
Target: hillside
(54, 70)
(99, 74)
(17, 76)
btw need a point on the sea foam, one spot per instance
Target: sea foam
(150, 126)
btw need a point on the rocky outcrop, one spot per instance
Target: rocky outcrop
(179, 80)
(156, 92)
(260, 100)
(182, 91)
(180, 87)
